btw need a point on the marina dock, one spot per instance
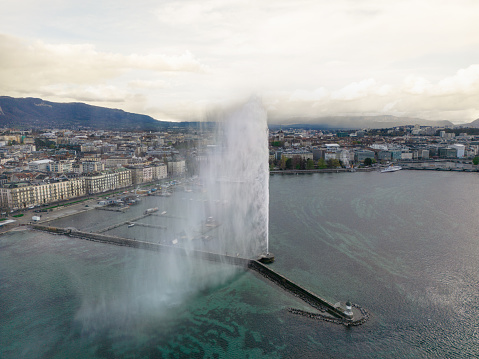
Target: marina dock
(123, 223)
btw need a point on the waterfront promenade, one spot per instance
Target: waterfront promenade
(324, 170)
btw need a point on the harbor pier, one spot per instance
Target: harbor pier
(325, 310)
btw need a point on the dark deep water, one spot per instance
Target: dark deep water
(403, 245)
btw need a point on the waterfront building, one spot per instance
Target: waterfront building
(330, 156)
(384, 156)
(447, 152)
(423, 154)
(303, 154)
(460, 148)
(23, 195)
(361, 155)
(103, 182)
(142, 174)
(160, 171)
(395, 155)
(318, 153)
(176, 167)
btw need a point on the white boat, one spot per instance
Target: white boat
(131, 225)
(391, 169)
(151, 210)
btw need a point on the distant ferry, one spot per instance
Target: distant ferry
(391, 169)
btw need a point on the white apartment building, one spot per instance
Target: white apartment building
(148, 174)
(460, 149)
(160, 171)
(23, 195)
(108, 181)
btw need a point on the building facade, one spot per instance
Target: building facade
(23, 195)
(103, 182)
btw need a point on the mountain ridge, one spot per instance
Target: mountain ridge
(31, 112)
(359, 122)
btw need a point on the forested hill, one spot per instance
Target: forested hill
(37, 113)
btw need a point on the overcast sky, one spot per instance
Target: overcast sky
(181, 60)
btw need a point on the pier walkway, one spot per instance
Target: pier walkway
(327, 311)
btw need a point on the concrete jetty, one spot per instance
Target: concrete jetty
(326, 310)
(147, 225)
(123, 223)
(113, 209)
(165, 216)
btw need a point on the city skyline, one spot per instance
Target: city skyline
(186, 60)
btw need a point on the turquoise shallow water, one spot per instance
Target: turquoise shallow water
(403, 245)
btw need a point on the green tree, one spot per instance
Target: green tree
(296, 162)
(368, 161)
(333, 163)
(39, 143)
(289, 164)
(310, 164)
(475, 161)
(322, 163)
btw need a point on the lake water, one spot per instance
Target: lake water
(403, 245)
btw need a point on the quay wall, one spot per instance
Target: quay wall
(324, 170)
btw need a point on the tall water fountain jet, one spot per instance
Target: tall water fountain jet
(236, 177)
(227, 215)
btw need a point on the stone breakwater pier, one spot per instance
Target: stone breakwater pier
(340, 313)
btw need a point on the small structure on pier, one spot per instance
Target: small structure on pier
(349, 310)
(266, 258)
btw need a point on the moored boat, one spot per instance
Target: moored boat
(391, 169)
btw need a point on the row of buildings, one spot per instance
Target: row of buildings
(36, 192)
(354, 148)
(57, 165)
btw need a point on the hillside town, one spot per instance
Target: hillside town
(40, 168)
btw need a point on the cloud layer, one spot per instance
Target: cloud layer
(179, 59)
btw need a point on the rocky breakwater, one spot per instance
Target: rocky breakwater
(327, 311)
